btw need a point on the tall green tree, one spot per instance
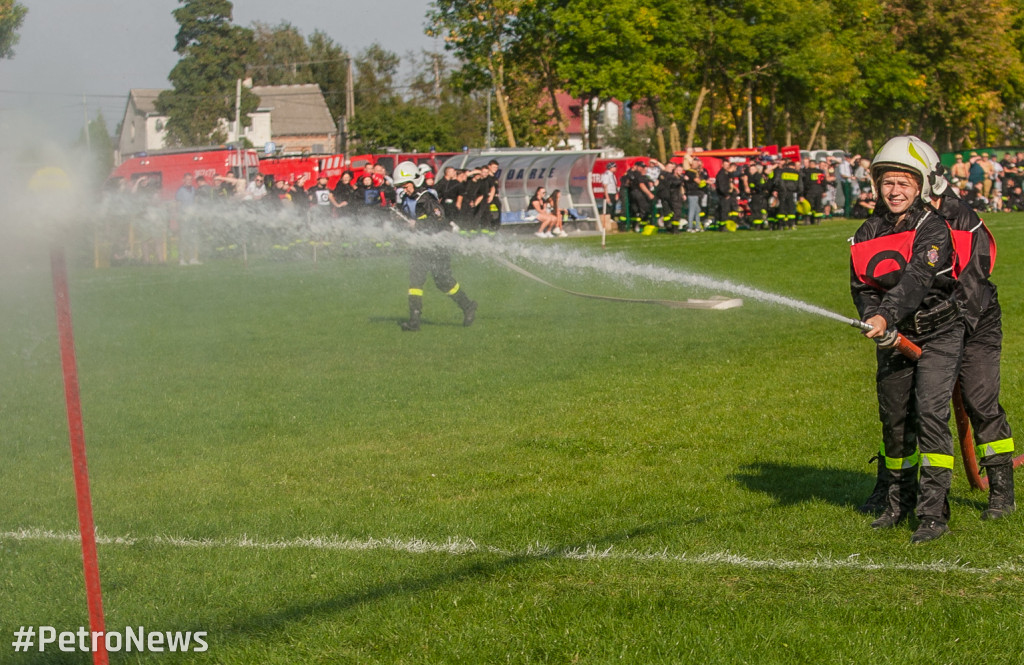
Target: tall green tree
(213, 54)
(279, 55)
(329, 68)
(456, 112)
(972, 71)
(12, 14)
(96, 138)
(480, 33)
(376, 78)
(605, 50)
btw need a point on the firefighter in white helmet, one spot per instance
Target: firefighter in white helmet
(421, 207)
(902, 277)
(974, 252)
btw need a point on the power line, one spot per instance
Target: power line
(49, 93)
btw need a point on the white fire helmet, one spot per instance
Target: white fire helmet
(909, 153)
(407, 172)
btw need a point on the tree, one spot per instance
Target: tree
(480, 32)
(12, 14)
(213, 57)
(329, 68)
(100, 145)
(455, 111)
(972, 71)
(279, 55)
(376, 69)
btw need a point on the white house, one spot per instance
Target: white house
(294, 117)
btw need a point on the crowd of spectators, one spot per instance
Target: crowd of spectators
(988, 184)
(682, 197)
(768, 192)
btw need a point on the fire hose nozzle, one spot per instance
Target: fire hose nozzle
(892, 340)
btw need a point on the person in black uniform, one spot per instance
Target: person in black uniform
(787, 185)
(426, 215)
(760, 188)
(724, 189)
(447, 191)
(641, 196)
(974, 251)
(345, 195)
(983, 342)
(901, 278)
(472, 195)
(670, 192)
(814, 190)
(488, 212)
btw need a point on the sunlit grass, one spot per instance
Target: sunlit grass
(715, 457)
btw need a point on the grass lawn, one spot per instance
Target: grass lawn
(273, 461)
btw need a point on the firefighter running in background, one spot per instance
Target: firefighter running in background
(426, 215)
(975, 251)
(787, 186)
(902, 277)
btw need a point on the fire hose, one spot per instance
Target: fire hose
(690, 303)
(893, 339)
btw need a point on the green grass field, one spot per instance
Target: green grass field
(275, 463)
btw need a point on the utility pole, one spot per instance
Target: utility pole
(437, 79)
(85, 119)
(343, 136)
(490, 124)
(238, 110)
(750, 114)
(350, 94)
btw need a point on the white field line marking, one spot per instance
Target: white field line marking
(459, 547)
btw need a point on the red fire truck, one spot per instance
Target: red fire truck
(164, 170)
(292, 168)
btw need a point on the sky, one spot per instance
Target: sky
(76, 58)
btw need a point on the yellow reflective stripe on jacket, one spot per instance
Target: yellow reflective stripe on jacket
(790, 176)
(897, 463)
(994, 447)
(416, 292)
(455, 289)
(936, 459)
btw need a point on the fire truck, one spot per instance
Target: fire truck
(309, 168)
(162, 171)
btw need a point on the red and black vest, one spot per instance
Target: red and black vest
(880, 261)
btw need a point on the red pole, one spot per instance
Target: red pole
(90, 560)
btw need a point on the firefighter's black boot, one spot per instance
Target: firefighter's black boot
(900, 499)
(1000, 492)
(468, 307)
(876, 502)
(415, 309)
(933, 513)
(413, 324)
(469, 314)
(929, 529)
